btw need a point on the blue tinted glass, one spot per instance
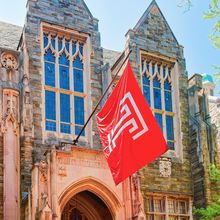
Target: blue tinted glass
(78, 80)
(168, 101)
(146, 91)
(159, 120)
(156, 82)
(65, 128)
(77, 63)
(67, 44)
(157, 99)
(79, 110)
(53, 42)
(81, 48)
(167, 85)
(74, 48)
(45, 40)
(60, 44)
(48, 56)
(78, 129)
(63, 60)
(170, 145)
(50, 126)
(146, 80)
(64, 77)
(64, 108)
(49, 69)
(50, 102)
(169, 127)
(148, 67)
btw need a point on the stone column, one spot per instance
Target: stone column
(11, 155)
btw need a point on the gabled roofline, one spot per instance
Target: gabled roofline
(141, 20)
(86, 7)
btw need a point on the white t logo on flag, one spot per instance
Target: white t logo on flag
(126, 121)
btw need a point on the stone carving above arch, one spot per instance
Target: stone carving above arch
(9, 61)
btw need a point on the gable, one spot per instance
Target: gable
(154, 26)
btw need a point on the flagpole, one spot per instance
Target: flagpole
(75, 141)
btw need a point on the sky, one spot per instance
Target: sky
(116, 17)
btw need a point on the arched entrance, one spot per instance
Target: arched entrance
(86, 206)
(89, 199)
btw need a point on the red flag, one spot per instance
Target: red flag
(130, 134)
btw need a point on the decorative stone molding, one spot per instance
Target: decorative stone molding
(62, 171)
(43, 169)
(9, 61)
(10, 110)
(165, 167)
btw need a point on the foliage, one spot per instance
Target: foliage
(212, 210)
(214, 13)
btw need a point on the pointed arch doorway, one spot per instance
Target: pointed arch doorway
(86, 206)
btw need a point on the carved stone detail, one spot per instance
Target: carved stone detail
(9, 61)
(165, 167)
(43, 169)
(10, 110)
(62, 171)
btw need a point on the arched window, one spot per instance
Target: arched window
(63, 84)
(157, 90)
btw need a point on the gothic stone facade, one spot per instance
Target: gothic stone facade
(52, 74)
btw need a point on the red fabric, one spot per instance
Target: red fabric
(130, 134)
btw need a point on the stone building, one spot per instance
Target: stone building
(52, 74)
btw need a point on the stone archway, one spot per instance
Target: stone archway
(86, 206)
(88, 199)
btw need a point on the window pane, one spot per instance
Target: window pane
(146, 91)
(167, 85)
(53, 42)
(65, 128)
(81, 48)
(48, 56)
(157, 99)
(49, 69)
(168, 101)
(50, 102)
(159, 120)
(50, 126)
(64, 77)
(159, 205)
(77, 63)
(170, 131)
(60, 45)
(64, 108)
(79, 114)
(78, 80)
(146, 80)
(63, 60)
(156, 83)
(45, 40)
(79, 110)
(73, 48)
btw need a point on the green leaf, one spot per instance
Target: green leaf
(215, 3)
(209, 15)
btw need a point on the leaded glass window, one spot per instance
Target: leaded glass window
(158, 91)
(167, 207)
(64, 83)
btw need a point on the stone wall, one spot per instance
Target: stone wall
(152, 34)
(67, 14)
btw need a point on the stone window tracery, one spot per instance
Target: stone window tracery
(64, 83)
(157, 90)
